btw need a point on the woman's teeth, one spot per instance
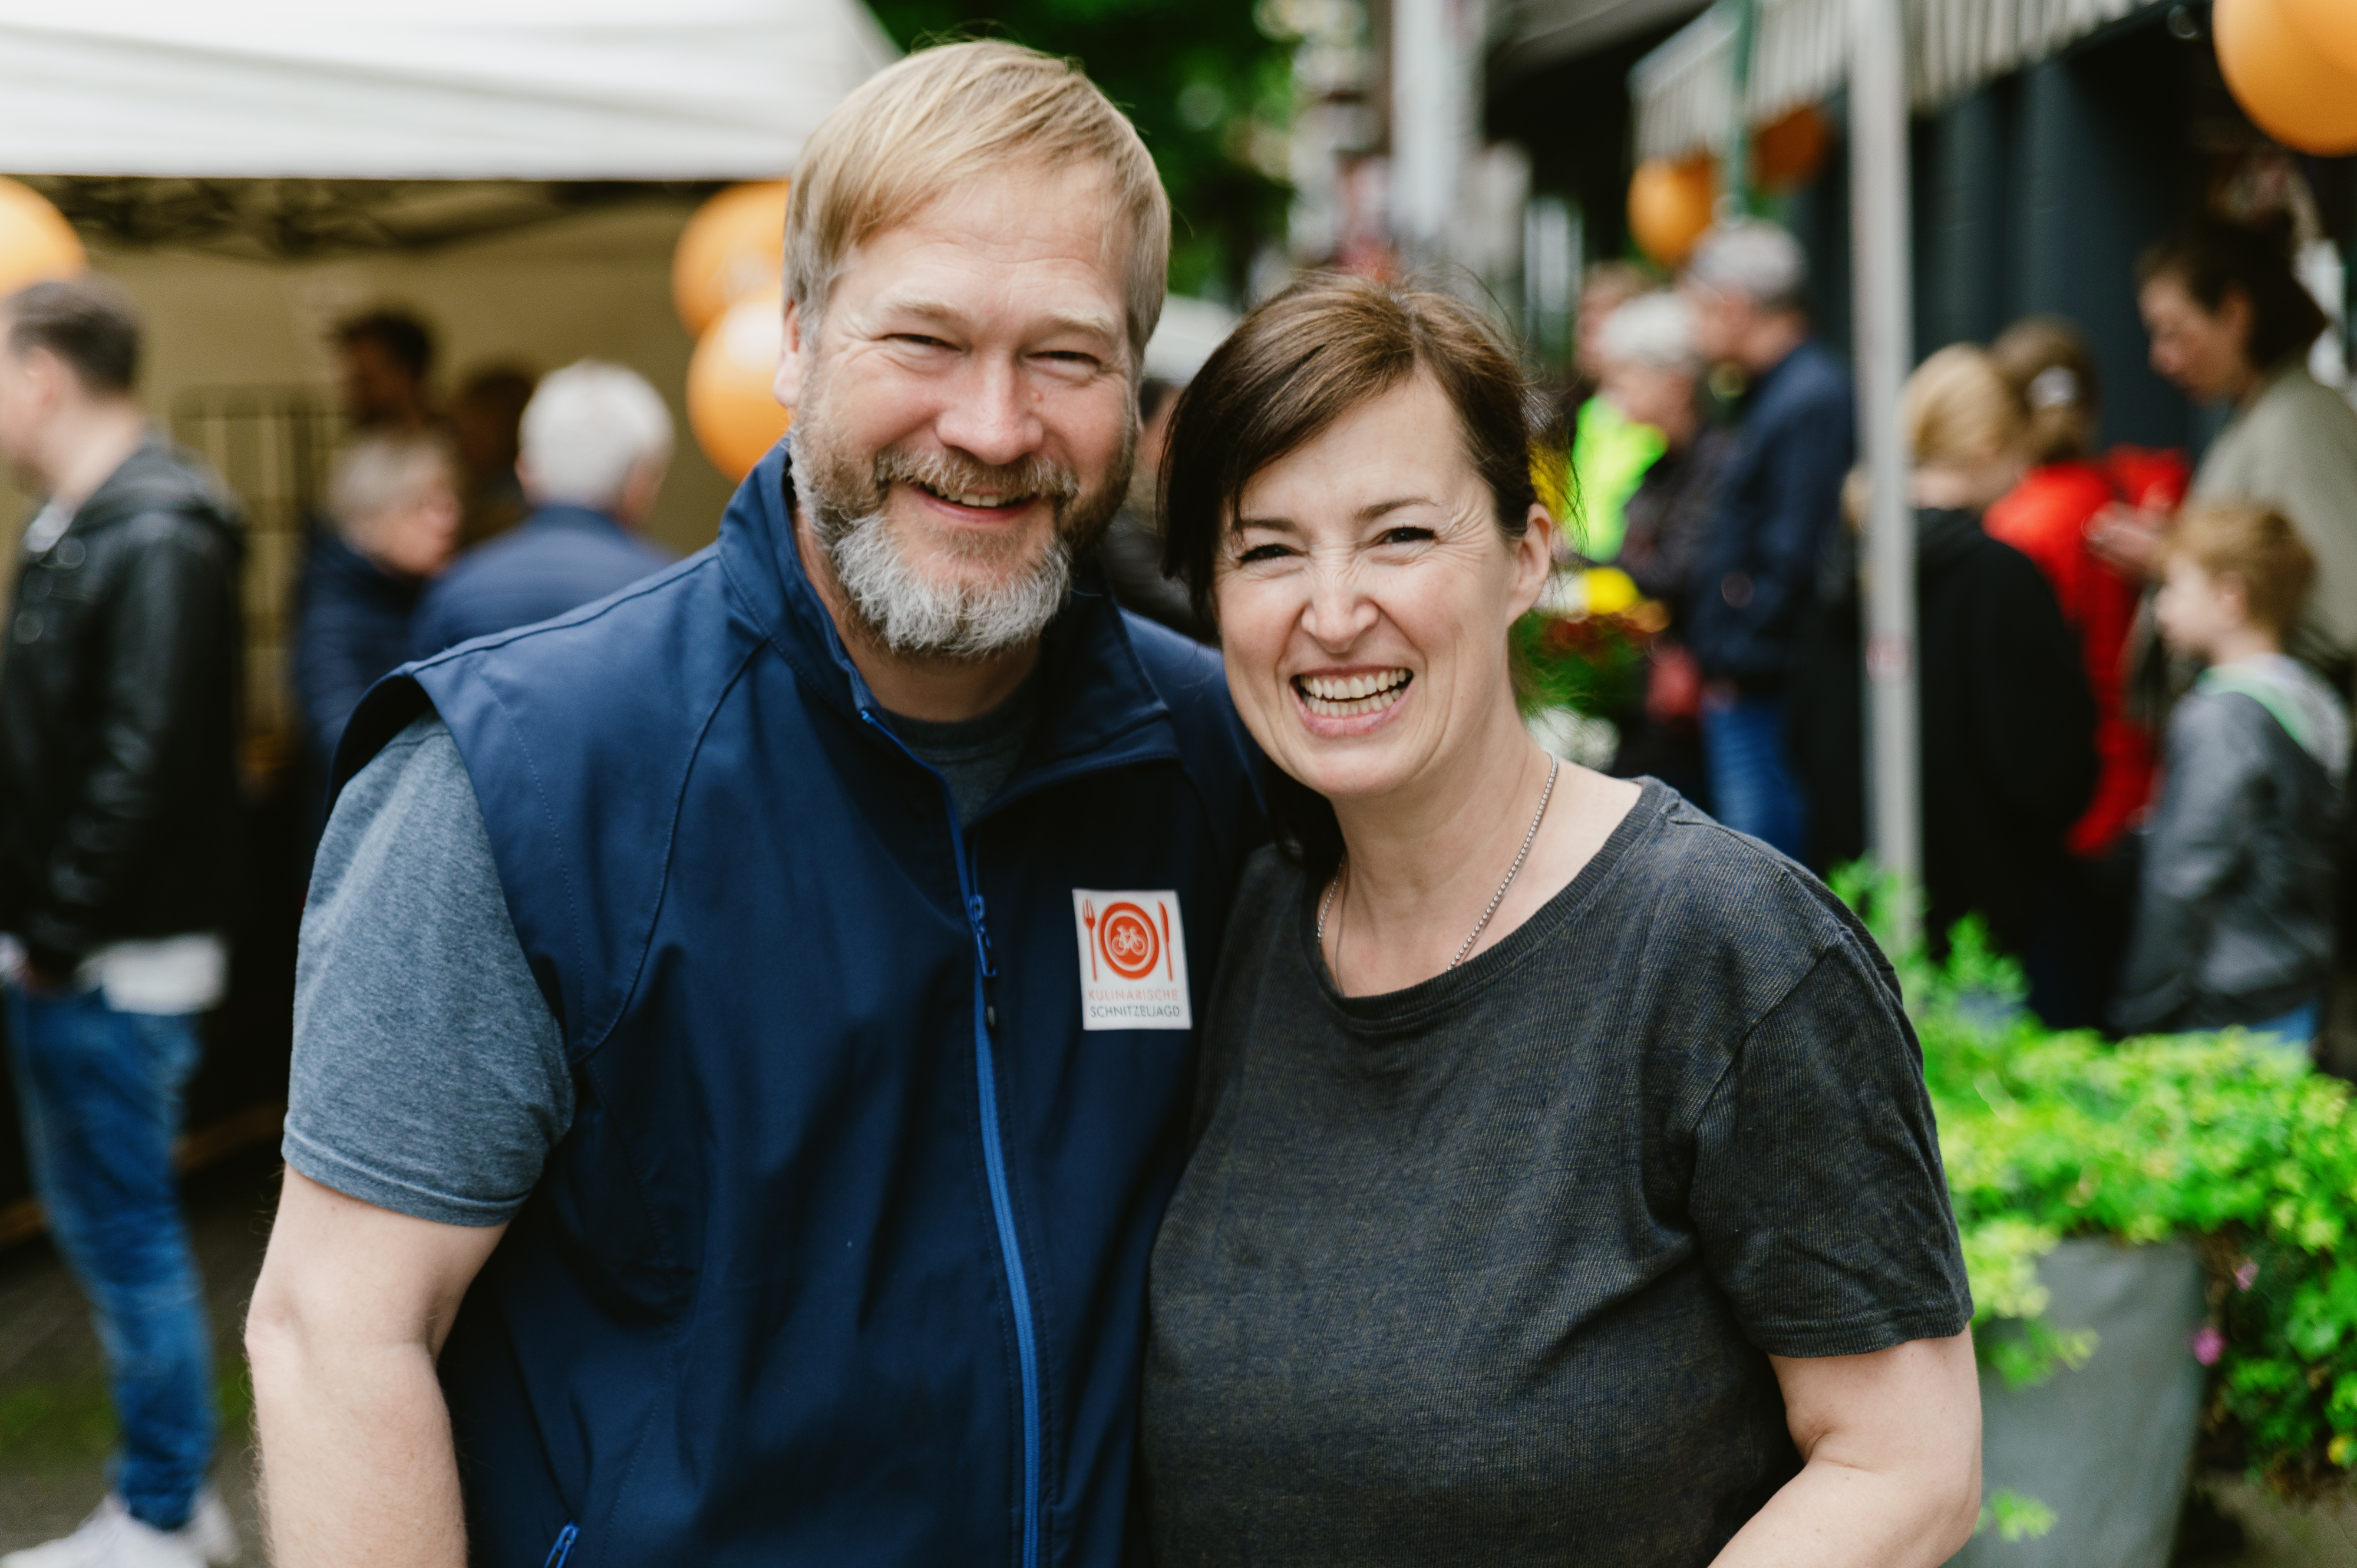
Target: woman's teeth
(1348, 696)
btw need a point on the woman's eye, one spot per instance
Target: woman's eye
(1259, 553)
(1406, 535)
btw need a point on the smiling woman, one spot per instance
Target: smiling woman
(1564, 1185)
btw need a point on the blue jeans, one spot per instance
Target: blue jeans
(100, 1093)
(1753, 787)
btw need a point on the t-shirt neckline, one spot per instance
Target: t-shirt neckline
(1428, 998)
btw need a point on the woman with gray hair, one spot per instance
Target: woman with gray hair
(392, 505)
(1653, 371)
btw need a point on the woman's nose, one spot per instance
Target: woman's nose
(1339, 610)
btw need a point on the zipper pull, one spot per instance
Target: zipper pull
(980, 937)
(989, 971)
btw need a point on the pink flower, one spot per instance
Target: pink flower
(2247, 1276)
(2207, 1346)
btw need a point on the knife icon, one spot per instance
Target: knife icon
(1089, 917)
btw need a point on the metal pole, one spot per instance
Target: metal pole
(1425, 161)
(1735, 197)
(1878, 235)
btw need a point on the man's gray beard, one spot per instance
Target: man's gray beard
(895, 602)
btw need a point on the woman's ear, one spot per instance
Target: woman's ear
(2234, 314)
(1534, 557)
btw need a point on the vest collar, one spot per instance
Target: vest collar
(1097, 706)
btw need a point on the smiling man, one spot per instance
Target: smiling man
(744, 1027)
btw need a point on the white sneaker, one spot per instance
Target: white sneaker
(111, 1538)
(211, 1532)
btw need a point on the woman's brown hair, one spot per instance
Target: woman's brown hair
(1326, 346)
(2052, 369)
(2211, 257)
(1330, 344)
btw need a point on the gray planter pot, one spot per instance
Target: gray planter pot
(2106, 1446)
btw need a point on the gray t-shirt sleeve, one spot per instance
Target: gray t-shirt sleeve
(429, 1074)
(1818, 1194)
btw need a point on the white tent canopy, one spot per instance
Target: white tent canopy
(1800, 52)
(426, 88)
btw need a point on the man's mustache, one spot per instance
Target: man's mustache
(954, 473)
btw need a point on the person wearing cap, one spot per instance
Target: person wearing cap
(595, 443)
(1778, 509)
(1131, 551)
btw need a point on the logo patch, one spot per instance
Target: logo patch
(1133, 959)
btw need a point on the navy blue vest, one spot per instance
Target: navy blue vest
(843, 1258)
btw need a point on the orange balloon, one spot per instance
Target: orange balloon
(1786, 155)
(2330, 26)
(2288, 88)
(732, 404)
(1670, 206)
(734, 246)
(36, 243)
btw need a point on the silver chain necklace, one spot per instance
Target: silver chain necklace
(1555, 764)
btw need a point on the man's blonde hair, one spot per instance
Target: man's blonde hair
(945, 116)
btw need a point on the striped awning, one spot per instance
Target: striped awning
(1685, 89)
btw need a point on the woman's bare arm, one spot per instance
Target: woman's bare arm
(1891, 1472)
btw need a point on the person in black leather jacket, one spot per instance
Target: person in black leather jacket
(119, 816)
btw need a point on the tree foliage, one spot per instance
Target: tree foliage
(1210, 91)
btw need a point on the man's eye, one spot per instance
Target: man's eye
(917, 340)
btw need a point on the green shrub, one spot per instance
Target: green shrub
(2237, 1145)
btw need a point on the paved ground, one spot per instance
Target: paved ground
(56, 1427)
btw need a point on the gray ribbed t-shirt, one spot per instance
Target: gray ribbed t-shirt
(1488, 1270)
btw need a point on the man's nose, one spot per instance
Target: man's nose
(991, 414)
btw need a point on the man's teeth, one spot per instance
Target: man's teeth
(967, 498)
(1343, 696)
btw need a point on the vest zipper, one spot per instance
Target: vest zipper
(563, 1549)
(994, 1152)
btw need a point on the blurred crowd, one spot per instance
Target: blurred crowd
(124, 860)
(519, 500)
(2134, 671)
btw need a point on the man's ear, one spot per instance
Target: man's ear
(788, 386)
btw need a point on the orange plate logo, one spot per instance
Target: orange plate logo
(1133, 952)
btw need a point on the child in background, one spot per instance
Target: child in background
(2235, 921)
